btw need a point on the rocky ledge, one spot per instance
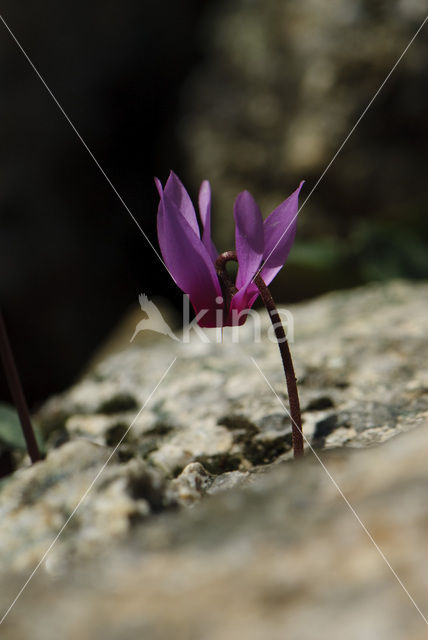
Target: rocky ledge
(274, 543)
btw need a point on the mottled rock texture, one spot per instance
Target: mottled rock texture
(273, 549)
(284, 557)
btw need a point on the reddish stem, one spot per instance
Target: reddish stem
(287, 363)
(229, 289)
(17, 393)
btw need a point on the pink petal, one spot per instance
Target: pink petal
(159, 187)
(187, 260)
(205, 211)
(243, 299)
(177, 195)
(248, 237)
(279, 233)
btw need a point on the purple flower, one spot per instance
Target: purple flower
(191, 258)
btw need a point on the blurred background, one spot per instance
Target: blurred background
(251, 95)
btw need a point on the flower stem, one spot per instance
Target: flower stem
(17, 393)
(229, 289)
(287, 363)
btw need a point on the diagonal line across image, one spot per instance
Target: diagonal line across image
(52, 95)
(69, 121)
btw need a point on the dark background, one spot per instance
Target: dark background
(214, 90)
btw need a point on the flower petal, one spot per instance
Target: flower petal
(187, 260)
(248, 237)
(241, 301)
(205, 211)
(279, 233)
(205, 204)
(177, 195)
(159, 187)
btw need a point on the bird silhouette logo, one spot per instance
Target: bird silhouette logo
(154, 320)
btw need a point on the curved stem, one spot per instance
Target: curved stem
(229, 289)
(17, 393)
(287, 363)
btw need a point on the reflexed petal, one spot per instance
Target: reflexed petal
(205, 211)
(177, 195)
(248, 237)
(279, 233)
(187, 260)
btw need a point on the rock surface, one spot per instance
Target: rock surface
(269, 553)
(284, 557)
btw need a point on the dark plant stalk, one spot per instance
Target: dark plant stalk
(17, 393)
(229, 289)
(287, 363)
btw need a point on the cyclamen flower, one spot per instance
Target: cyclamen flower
(190, 257)
(261, 250)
